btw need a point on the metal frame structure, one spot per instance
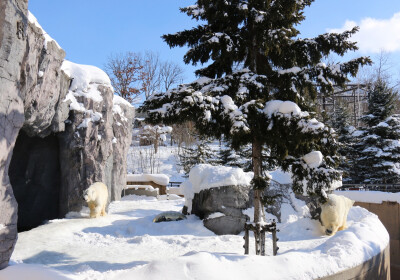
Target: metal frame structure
(353, 96)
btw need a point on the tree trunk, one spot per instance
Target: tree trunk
(259, 213)
(156, 142)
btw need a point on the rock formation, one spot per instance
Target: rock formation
(61, 128)
(221, 208)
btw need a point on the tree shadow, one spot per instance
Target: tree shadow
(63, 261)
(145, 226)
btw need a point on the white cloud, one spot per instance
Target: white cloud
(375, 35)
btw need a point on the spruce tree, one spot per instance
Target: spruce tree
(340, 121)
(378, 145)
(197, 154)
(381, 100)
(264, 103)
(227, 156)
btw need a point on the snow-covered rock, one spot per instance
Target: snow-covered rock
(57, 102)
(206, 176)
(218, 194)
(12, 53)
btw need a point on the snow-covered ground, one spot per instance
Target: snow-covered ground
(142, 159)
(126, 244)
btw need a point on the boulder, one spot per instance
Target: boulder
(229, 201)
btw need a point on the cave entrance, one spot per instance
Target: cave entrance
(35, 178)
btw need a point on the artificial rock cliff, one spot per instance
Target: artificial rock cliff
(61, 128)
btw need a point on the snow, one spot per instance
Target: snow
(126, 244)
(31, 272)
(74, 105)
(284, 107)
(216, 215)
(166, 161)
(84, 77)
(281, 177)
(118, 100)
(85, 82)
(93, 117)
(370, 196)
(118, 110)
(160, 179)
(47, 39)
(313, 159)
(2, 226)
(206, 176)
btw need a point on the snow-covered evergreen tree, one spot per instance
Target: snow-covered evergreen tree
(227, 156)
(264, 103)
(196, 154)
(378, 143)
(340, 122)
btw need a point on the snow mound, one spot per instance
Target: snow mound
(84, 75)
(160, 179)
(85, 82)
(313, 159)
(206, 176)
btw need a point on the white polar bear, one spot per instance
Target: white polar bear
(334, 213)
(96, 197)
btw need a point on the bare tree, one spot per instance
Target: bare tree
(134, 75)
(381, 69)
(170, 74)
(125, 70)
(150, 75)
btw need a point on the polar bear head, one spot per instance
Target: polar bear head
(330, 220)
(334, 213)
(89, 194)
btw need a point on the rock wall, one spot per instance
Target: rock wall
(13, 23)
(47, 97)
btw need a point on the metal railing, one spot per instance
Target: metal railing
(174, 184)
(371, 187)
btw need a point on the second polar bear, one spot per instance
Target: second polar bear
(334, 213)
(96, 197)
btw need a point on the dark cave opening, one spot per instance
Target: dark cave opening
(35, 176)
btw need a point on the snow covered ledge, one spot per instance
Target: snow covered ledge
(378, 267)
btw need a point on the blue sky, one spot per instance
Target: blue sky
(90, 30)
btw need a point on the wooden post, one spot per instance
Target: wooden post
(257, 239)
(262, 245)
(275, 247)
(246, 239)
